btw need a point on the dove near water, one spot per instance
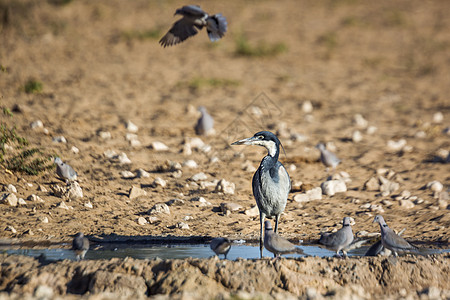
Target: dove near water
(80, 245)
(220, 246)
(339, 240)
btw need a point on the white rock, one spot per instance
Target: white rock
(45, 131)
(142, 221)
(182, 225)
(407, 204)
(396, 145)
(43, 292)
(376, 208)
(104, 135)
(435, 186)
(59, 139)
(292, 167)
(199, 176)
(175, 202)
(35, 198)
(159, 182)
(209, 184)
(131, 136)
(225, 187)
(201, 201)
(168, 166)
(357, 136)
(176, 174)
(371, 130)
(43, 219)
(159, 146)
(188, 218)
(420, 134)
(230, 206)
(20, 201)
(332, 187)
(310, 195)
(160, 208)
(110, 154)
(63, 205)
(136, 192)
(37, 124)
(195, 143)
(360, 121)
(252, 212)
(123, 158)
(75, 150)
(42, 188)
(135, 143)
(214, 160)
(186, 150)
(127, 174)
(190, 163)
(307, 107)
(131, 127)
(88, 204)
(152, 219)
(11, 188)
(9, 199)
(141, 173)
(438, 117)
(74, 191)
(12, 229)
(365, 206)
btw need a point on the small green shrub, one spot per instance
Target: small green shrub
(33, 86)
(244, 48)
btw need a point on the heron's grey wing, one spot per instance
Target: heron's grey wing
(256, 187)
(192, 10)
(180, 31)
(216, 27)
(375, 249)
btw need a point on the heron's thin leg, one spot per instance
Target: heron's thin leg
(277, 219)
(262, 217)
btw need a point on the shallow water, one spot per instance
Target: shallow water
(173, 251)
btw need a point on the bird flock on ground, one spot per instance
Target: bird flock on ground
(271, 183)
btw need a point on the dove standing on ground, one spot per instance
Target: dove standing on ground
(271, 182)
(64, 171)
(277, 244)
(328, 158)
(220, 246)
(194, 19)
(378, 248)
(80, 245)
(339, 240)
(205, 123)
(391, 240)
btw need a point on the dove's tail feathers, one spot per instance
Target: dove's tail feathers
(216, 27)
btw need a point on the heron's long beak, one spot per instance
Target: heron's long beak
(247, 141)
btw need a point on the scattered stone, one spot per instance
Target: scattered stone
(12, 229)
(175, 202)
(136, 192)
(225, 187)
(190, 164)
(75, 150)
(169, 166)
(224, 207)
(9, 199)
(73, 191)
(176, 174)
(435, 186)
(406, 204)
(104, 135)
(160, 208)
(131, 136)
(343, 176)
(438, 117)
(307, 107)
(387, 187)
(201, 201)
(43, 292)
(35, 198)
(141, 173)
(10, 188)
(186, 150)
(29, 232)
(152, 219)
(357, 136)
(209, 184)
(396, 145)
(21, 201)
(159, 182)
(142, 221)
(158, 146)
(42, 188)
(360, 121)
(127, 174)
(387, 203)
(420, 134)
(371, 130)
(43, 219)
(188, 218)
(292, 167)
(376, 208)
(59, 139)
(123, 158)
(135, 143)
(199, 176)
(194, 143)
(131, 127)
(110, 154)
(88, 204)
(442, 203)
(182, 225)
(310, 195)
(215, 159)
(37, 124)
(332, 187)
(63, 205)
(252, 212)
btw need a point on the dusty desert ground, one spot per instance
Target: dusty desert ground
(100, 66)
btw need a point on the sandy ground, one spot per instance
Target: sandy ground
(101, 65)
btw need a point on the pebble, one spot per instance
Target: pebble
(230, 207)
(9, 199)
(420, 134)
(360, 121)
(202, 201)
(160, 208)
(182, 225)
(63, 205)
(142, 221)
(136, 192)
(12, 229)
(169, 166)
(442, 203)
(199, 176)
(127, 174)
(310, 195)
(388, 187)
(135, 143)
(186, 150)
(332, 187)
(10, 188)
(407, 204)
(43, 292)
(343, 176)
(176, 174)
(159, 146)
(43, 219)
(159, 182)
(141, 173)
(37, 124)
(88, 204)
(292, 167)
(75, 150)
(396, 145)
(175, 202)
(252, 212)
(104, 135)
(435, 186)
(194, 142)
(225, 187)
(74, 191)
(307, 107)
(20, 201)
(131, 127)
(190, 163)
(110, 154)
(152, 219)
(131, 136)
(59, 139)
(188, 218)
(387, 202)
(357, 136)
(123, 158)
(35, 198)
(42, 188)
(438, 117)
(371, 130)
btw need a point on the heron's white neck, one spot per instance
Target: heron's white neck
(269, 145)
